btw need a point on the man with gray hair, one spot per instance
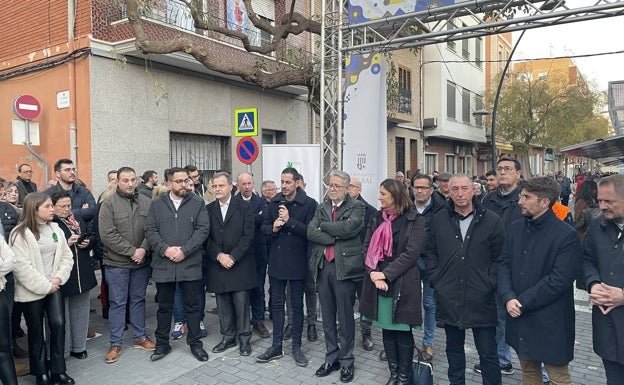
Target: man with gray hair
(337, 265)
(604, 277)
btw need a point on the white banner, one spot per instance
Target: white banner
(305, 158)
(365, 150)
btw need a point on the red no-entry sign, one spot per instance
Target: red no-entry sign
(26, 107)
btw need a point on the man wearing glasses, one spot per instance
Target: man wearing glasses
(504, 202)
(539, 263)
(176, 228)
(337, 266)
(24, 182)
(83, 202)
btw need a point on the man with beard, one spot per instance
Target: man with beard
(150, 179)
(176, 228)
(604, 277)
(541, 259)
(83, 202)
(24, 182)
(126, 261)
(287, 222)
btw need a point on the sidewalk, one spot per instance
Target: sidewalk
(181, 368)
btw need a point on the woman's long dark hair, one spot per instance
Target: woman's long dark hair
(398, 190)
(29, 219)
(588, 192)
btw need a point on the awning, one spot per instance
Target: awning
(609, 149)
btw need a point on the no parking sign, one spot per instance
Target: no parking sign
(247, 150)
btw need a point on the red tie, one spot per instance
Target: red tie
(329, 250)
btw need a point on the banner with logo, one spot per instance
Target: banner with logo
(305, 158)
(366, 10)
(365, 148)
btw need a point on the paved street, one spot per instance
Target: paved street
(181, 368)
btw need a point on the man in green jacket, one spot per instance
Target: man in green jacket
(337, 264)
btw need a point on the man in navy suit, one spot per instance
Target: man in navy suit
(245, 184)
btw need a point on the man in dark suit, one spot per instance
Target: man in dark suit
(24, 182)
(231, 266)
(355, 190)
(245, 185)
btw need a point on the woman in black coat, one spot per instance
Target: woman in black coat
(392, 293)
(81, 279)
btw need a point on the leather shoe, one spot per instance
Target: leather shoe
(367, 342)
(260, 330)
(382, 356)
(200, 354)
(346, 373)
(312, 334)
(42, 379)
(272, 353)
(326, 369)
(79, 355)
(245, 348)
(287, 332)
(160, 352)
(61, 378)
(224, 345)
(300, 358)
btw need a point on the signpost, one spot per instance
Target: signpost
(26, 107)
(246, 122)
(247, 150)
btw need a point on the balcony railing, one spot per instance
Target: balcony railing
(401, 103)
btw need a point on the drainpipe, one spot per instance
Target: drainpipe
(71, 77)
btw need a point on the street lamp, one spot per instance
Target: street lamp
(483, 112)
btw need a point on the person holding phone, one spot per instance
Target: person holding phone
(81, 279)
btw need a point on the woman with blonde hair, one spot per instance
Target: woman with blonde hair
(43, 263)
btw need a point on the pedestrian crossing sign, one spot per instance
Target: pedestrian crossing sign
(246, 122)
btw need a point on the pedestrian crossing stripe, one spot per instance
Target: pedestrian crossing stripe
(246, 122)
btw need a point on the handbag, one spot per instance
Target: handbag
(421, 373)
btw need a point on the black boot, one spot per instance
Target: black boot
(7, 369)
(42, 379)
(390, 347)
(406, 355)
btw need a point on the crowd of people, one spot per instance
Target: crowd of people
(498, 255)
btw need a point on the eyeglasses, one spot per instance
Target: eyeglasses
(422, 188)
(336, 186)
(69, 169)
(27, 172)
(269, 189)
(354, 186)
(181, 181)
(524, 197)
(506, 168)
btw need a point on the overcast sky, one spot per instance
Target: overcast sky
(580, 38)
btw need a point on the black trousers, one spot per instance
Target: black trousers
(233, 310)
(7, 369)
(52, 307)
(165, 292)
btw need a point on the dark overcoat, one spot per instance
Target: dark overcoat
(259, 245)
(603, 261)
(463, 272)
(288, 255)
(401, 269)
(233, 236)
(539, 263)
(82, 276)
